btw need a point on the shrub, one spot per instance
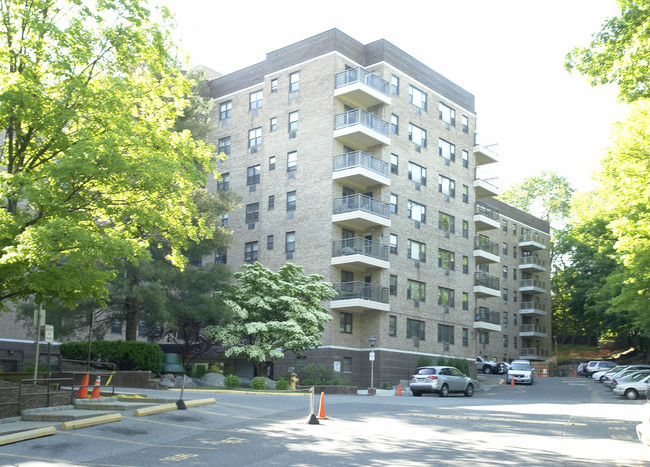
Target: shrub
(459, 363)
(282, 384)
(232, 381)
(199, 371)
(127, 355)
(313, 374)
(258, 383)
(424, 361)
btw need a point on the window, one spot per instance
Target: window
(223, 184)
(505, 319)
(292, 161)
(465, 265)
(273, 124)
(465, 337)
(416, 290)
(505, 295)
(250, 252)
(504, 249)
(514, 229)
(505, 272)
(417, 173)
(514, 251)
(272, 163)
(394, 85)
(514, 341)
(446, 186)
(253, 175)
(416, 250)
(446, 150)
(394, 158)
(291, 201)
(447, 114)
(271, 202)
(255, 100)
(269, 242)
(417, 98)
(465, 301)
(274, 85)
(225, 110)
(392, 325)
(465, 194)
(347, 365)
(446, 222)
(393, 285)
(504, 225)
(252, 213)
(393, 243)
(484, 337)
(394, 124)
(293, 121)
(220, 257)
(514, 274)
(514, 321)
(116, 327)
(393, 203)
(290, 242)
(417, 212)
(418, 135)
(294, 82)
(345, 323)
(446, 297)
(254, 137)
(465, 159)
(414, 329)
(465, 124)
(446, 334)
(465, 229)
(446, 259)
(223, 222)
(224, 145)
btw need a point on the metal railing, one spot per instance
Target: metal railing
(361, 246)
(360, 116)
(532, 238)
(533, 352)
(360, 202)
(532, 328)
(486, 315)
(532, 283)
(483, 210)
(361, 159)
(532, 306)
(532, 260)
(362, 290)
(364, 76)
(487, 245)
(485, 280)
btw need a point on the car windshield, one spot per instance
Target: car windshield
(427, 371)
(520, 366)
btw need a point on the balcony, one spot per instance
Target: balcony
(361, 129)
(360, 296)
(486, 286)
(484, 188)
(359, 254)
(486, 319)
(532, 263)
(532, 308)
(358, 87)
(484, 155)
(532, 242)
(361, 212)
(485, 217)
(485, 250)
(532, 330)
(534, 354)
(361, 169)
(532, 286)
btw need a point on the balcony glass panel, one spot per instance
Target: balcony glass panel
(361, 159)
(359, 202)
(483, 210)
(362, 290)
(485, 244)
(362, 117)
(362, 75)
(487, 316)
(360, 246)
(485, 280)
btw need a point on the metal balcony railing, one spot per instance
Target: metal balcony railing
(532, 328)
(361, 159)
(485, 280)
(362, 290)
(486, 315)
(532, 306)
(359, 202)
(485, 244)
(360, 246)
(532, 238)
(532, 283)
(360, 116)
(483, 210)
(532, 260)
(362, 75)
(533, 352)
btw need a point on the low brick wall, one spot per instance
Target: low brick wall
(333, 389)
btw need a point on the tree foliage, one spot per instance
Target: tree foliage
(93, 169)
(619, 53)
(273, 312)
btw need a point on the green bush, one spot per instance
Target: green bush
(282, 384)
(199, 371)
(232, 381)
(460, 363)
(313, 374)
(424, 361)
(258, 383)
(127, 355)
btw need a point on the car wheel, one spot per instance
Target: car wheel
(487, 370)
(416, 394)
(531, 381)
(602, 378)
(444, 391)
(631, 394)
(469, 391)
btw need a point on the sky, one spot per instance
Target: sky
(509, 54)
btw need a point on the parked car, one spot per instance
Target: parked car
(599, 376)
(441, 380)
(582, 369)
(503, 368)
(597, 365)
(486, 366)
(626, 372)
(633, 385)
(521, 371)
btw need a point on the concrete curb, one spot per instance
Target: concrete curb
(154, 409)
(197, 402)
(30, 434)
(85, 422)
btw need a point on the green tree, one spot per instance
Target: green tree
(93, 169)
(619, 53)
(273, 312)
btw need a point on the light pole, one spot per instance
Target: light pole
(372, 361)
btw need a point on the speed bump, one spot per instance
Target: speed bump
(91, 421)
(154, 409)
(29, 434)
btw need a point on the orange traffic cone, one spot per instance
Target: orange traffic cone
(399, 389)
(574, 373)
(95, 394)
(321, 410)
(512, 381)
(83, 389)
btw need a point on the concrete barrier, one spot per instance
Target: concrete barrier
(90, 421)
(29, 434)
(197, 402)
(154, 409)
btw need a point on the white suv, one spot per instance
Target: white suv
(599, 365)
(521, 371)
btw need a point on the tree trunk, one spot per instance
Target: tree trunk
(131, 314)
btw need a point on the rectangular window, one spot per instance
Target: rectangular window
(394, 85)
(465, 337)
(394, 124)
(223, 183)
(254, 137)
(225, 110)
(393, 203)
(252, 213)
(272, 163)
(394, 158)
(220, 257)
(292, 161)
(271, 202)
(417, 173)
(504, 249)
(484, 337)
(416, 250)
(514, 341)
(393, 285)
(294, 82)
(291, 201)
(447, 114)
(446, 259)
(446, 222)
(253, 175)
(465, 124)
(250, 252)
(465, 159)
(505, 319)
(446, 297)
(505, 295)
(417, 212)
(345, 323)
(290, 242)
(514, 251)
(446, 150)
(505, 342)
(224, 145)
(446, 186)
(465, 229)
(293, 121)
(347, 364)
(514, 229)
(465, 265)
(255, 100)
(274, 85)
(393, 243)
(417, 98)
(514, 274)
(416, 290)
(269, 242)
(465, 301)
(392, 325)
(414, 329)
(116, 327)
(223, 222)
(465, 194)
(505, 272)
(446, 334)
(273, 125)
(418, 135)
(504, 225)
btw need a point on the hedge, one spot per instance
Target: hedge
(127, 355)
